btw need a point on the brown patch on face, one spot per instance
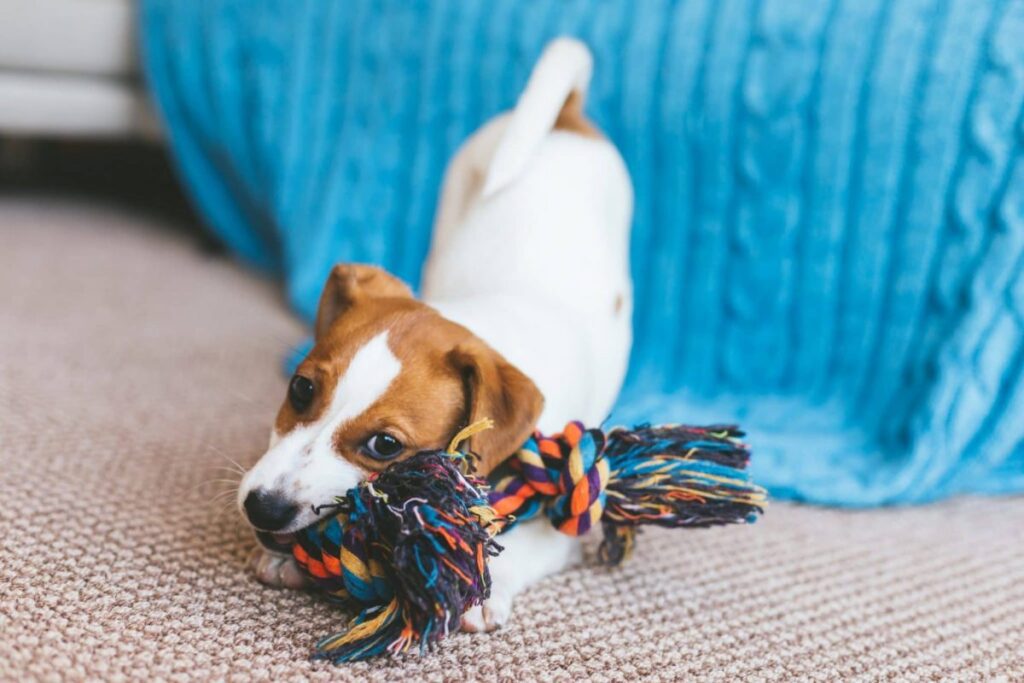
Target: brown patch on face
(347, 286)
(571, 118)
(448, 377)
(424, 405)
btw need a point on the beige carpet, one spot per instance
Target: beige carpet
(133, 369)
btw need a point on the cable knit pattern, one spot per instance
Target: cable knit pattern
(829, 234)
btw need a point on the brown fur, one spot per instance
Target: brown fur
(449, 377)
(350, 283)
(495, 388)
(572, 118)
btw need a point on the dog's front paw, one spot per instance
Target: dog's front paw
(276, 570)
(492, 615)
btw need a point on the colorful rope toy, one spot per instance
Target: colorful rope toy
(408, 548)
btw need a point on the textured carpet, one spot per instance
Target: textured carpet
(132, 369)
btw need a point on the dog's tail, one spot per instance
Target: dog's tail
(562, 72)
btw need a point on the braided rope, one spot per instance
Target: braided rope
(566, 472)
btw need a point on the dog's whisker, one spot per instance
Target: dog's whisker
(225, 474)
(243, 397)
(232, 470)
(222, 502)
(229, 506)
(289, 344)
(230, 484)
(219, 489)
(228, 501)
(225, 456)
(234, 481)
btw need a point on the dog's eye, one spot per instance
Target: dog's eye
(300, 393)
(383, 446)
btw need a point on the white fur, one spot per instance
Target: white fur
(565, 66)
(302, 464)
(536, 268)
(531, 253)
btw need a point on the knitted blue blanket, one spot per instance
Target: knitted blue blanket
(829, 236)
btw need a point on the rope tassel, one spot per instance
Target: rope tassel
(407, 552)
(408, 549)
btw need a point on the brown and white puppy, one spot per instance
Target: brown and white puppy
(525, 319)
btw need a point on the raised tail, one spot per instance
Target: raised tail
(563, 69)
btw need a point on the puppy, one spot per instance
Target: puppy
(524, 318)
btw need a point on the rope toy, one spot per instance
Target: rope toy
(670, 476)
(407, 549)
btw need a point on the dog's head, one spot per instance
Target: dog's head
(387, 377)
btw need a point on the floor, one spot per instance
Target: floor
(136, 370)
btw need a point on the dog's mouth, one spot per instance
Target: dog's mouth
(278, 543)
(283, 542)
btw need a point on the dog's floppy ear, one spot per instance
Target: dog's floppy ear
(350, 283)
(496, 389)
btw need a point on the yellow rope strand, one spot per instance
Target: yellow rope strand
(469, 432)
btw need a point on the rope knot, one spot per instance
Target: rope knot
(567, 472)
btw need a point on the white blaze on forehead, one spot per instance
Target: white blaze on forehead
(368, 376)
(302, 465)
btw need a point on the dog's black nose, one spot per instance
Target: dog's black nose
(269, 510)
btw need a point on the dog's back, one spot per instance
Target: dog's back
(531, 243)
